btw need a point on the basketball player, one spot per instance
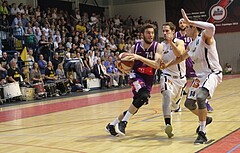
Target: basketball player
(147, 54)
(181, 34)
(190, 73)
(173, 78)
(203, 53)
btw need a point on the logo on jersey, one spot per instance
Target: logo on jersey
(165, 52)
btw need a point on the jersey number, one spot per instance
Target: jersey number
(149, 55)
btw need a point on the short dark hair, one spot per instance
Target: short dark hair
(146, 26)
(171, 25)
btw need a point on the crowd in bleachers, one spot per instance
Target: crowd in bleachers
(65, 45)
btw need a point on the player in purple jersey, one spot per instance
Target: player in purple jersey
(147, 55)
(181, 34)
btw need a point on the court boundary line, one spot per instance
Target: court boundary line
(217, 140)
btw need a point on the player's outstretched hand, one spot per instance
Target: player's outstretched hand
(185, 17)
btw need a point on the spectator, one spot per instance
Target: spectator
(14, 73)
(50, 75)
(13, 10)
(35, 75)
(3, 8)
(2, 75)
(42, 64)
(227, 69)
(4, 62)
(4, 24)
(56, 61)
(60, 71)
(97, 71)
(30, 39)
(30, 58)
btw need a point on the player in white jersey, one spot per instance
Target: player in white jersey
(173, 78)
(203, 52)
(190, 73)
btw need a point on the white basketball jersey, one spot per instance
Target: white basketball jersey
(168, 55)
(205, 58)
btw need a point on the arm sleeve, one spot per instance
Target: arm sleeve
(209, 27)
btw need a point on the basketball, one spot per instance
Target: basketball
(123, 63)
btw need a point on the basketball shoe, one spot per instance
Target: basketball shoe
(168, 131)
(111, 129)
(201, 139)
(120, 127)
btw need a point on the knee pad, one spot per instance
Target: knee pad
(201, 98)
(143, 95)
(190, 104)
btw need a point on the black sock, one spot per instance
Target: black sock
(167, 121)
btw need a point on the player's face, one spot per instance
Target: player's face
(148, 35)
(167, 32)
(189, 31)
(182, 25)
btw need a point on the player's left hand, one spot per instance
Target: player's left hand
(162, 65)
(185, 17)
(168, 38)
(128, 57)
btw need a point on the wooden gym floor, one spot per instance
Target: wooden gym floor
(76, 124)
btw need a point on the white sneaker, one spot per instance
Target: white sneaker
(86, 89)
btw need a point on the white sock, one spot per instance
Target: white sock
(116, 121)
(202, 125)
(206, 101)
(127, 116)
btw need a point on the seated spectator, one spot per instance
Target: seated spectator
(74, 85)
(112, 45)
(20, 9)
(30, 58)
(16, 57)
(35, 75)
(4, 61)
(123, 77)
(13, 10)
(2, 75)
(14, 73)
(93, 19)
(111, 70)
(50, 76)
(42, 64)
(3, 8)
(60, 71)
(227, 69)
(4, 24)
(56, 61)
(109, 78)
(25, 77)
(97, 71)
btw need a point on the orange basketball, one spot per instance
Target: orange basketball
(123, 64)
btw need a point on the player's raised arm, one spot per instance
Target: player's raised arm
(209, 28)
